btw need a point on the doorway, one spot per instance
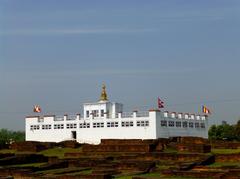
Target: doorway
(74, 135)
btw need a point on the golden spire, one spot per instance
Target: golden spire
(103, 94)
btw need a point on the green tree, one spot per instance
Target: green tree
(6, 136)
(224, 132)
(212, 132)
(237, 130)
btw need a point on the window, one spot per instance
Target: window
(34, 127)
(178, 124)
(112, 124)
(196, 125)
(47, 126)
(185, 124)
(190, 124)
(142, 123)
(98, 124)
(95, 113)
(171, 123)
(202, 125)
(127, 124)
(84, 125)
(87, 113)
(71, 126)
(102, 113)
(164, 123)
(58, 126)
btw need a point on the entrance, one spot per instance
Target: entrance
(74, 135)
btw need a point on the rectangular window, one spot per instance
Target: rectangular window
(171, 123)
(127, 124)
(196, 125)
(98, 124)
(71, 126)
(87, 114)
(178, 124)
(84, 125)
(190, 124)
(46, 126)
(95, 113)
(142, 123)
(34, 127)
(164, 123)
(102, 113)
(58, 126)
(185, 124)
(202, 125)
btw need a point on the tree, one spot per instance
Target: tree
(6, 136)
(225, 132)
(237, 130)
(212, 132)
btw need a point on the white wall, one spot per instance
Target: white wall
(94, 135)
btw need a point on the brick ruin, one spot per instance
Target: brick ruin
(179, 156)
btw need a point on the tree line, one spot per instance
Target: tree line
(225, 132)
(8, 136)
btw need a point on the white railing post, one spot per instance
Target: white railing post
(65, 117)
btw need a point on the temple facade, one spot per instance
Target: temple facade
(106, 120)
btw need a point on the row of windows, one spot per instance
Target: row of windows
(142, 123)
(84, 125)
(95, 113)
(184, 124)
(112, 124)
(34, 127)
(98, 124)
(164, 123)
(72, 126)
(58, 126)
(127, 124)
(47, 126)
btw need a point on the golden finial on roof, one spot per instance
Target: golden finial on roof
(104, 93)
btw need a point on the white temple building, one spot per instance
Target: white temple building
(106, 120)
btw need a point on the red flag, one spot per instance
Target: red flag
(206, 110)
(37, 109)
(160, 103)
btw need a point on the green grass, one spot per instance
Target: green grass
(155, 176)
(224, 164)
(59, 152)
(68, 171)
(29, 165)
(5, 151)
(225, 151)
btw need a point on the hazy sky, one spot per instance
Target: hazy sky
(57, 53)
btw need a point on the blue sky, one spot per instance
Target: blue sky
(58, 53)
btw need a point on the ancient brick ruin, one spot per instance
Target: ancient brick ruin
(180, 156)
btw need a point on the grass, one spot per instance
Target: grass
(224, 164)
(29, 165)
(69, 171)
(59, 152)
(155, 176)
(5, 151)
(225, 151)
